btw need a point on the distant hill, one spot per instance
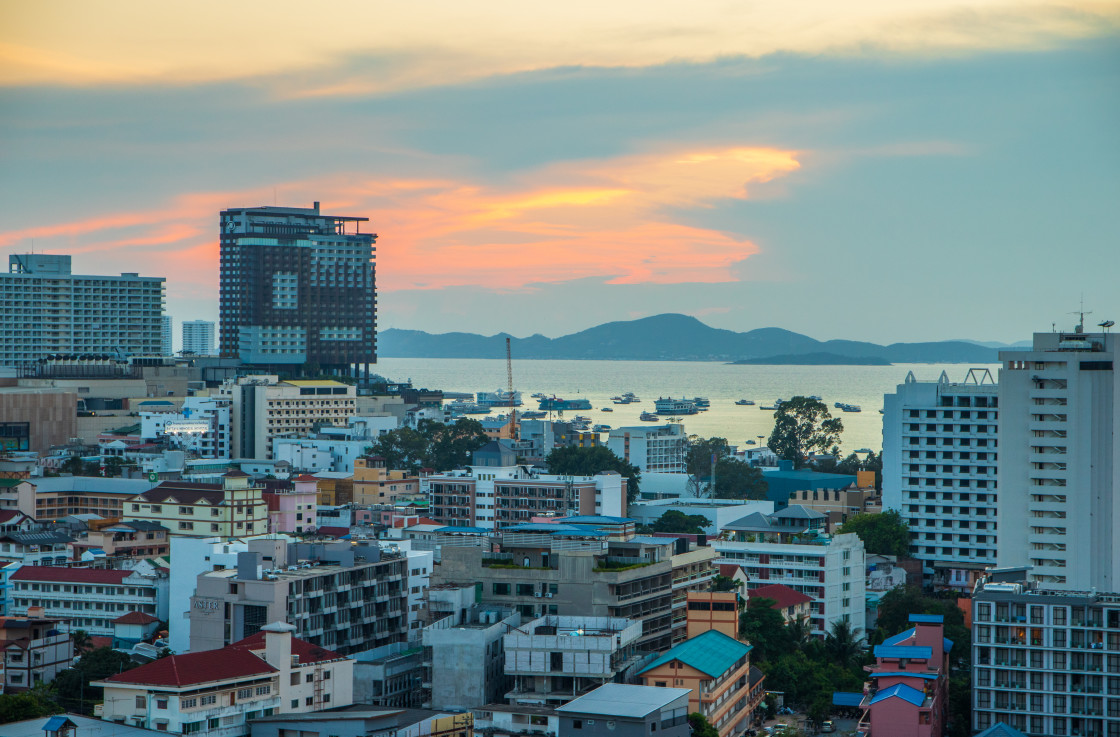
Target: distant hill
(670, 337)
(813, 359)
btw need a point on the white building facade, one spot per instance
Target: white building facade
(54, 311)
(940, 451)
(202, 426)
(1059, 468)
(198, 337)
(656, 448)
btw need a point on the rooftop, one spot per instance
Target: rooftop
(901, 691)
(195, 669)
(618, 699)
(70, 575)
(711, 652)
(783, 596)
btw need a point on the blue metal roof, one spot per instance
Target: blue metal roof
(710, 652)
(846, 698)
(902, 691)
(56, 723)
(596, 519)
(470, 530)
(904, 636)
(999, 729)
(903, 651)
(927, 619)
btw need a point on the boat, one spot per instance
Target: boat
(670, 406)
(862, 450)
(745, 403)
(702, 403)
(751, 442)
(557, 404)
(769, 409)
(532, 414)
(606, 409)
(851, 408)
(498, 398)
(539, 395)
(601, 428)
(814, 397)
(648, 417)
(460, 407)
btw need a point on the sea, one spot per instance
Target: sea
(723, 384)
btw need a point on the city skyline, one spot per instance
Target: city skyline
(750, 167)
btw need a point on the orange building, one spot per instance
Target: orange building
(713, 610)
(374, 484)
(725, 688)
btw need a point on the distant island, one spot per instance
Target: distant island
(677, 338)
(813, 359)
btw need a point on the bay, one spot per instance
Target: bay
(721, 383)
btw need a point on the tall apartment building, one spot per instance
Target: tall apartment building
(1043, 661)
(49, 310)
(789, 547)
(940, 452)
(348, 598)
(653, 449)
(297, 287)
(166, 348)
(497, 497)
(1059, 466)
(263, 408)
(198, 337)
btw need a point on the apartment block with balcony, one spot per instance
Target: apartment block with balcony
(789, 547)
(1045, 661)
(53, 311)
(33, 649)
(111, 539)
(716, 668)
(348, 598)
(940, 455)
(555, 569)
(264, 408)
(1059, 466)
(652, 448)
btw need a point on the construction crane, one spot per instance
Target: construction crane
(509, 380)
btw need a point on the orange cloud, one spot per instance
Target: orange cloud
(604, 218)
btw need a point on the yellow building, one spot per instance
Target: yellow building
(374, 484)
(232, 508)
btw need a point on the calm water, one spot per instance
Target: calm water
(723, 384)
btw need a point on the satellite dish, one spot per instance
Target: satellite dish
(1107, 324)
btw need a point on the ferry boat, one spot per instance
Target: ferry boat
(701, 403)
(539, 395)
(672, 406)
(601, 428)
(498, 398)
(745, 403)
(850, 408)
(460, 407)
(648, 417)
(563, 405)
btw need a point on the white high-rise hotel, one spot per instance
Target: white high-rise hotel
(198, 337)
(1058, 471)
(940, 450)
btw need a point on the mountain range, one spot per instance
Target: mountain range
(674, 337)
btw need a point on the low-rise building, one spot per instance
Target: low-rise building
(713, 610)
(793, 605)
(292, 509)
(518, 720)
(717, 671)
(464, 655)
(33, 649)
(554, 659)
(54, 498)
(621, 710)
(112, 539)
(232, 508)
(89, 598)
(37, 547)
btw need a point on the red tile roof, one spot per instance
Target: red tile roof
(333, 531)
(307, 652)
(780, 593)
(7, 515)
(728, 570)
(196, 668)
(69, 575)
(306, 477)
(135, 618)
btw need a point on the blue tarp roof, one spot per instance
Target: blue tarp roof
(902, 691)
(845, 698)
(927, 619)
(903, 651)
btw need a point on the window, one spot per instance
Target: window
(577, 724)
(207, 699)
(161, 703)
(295, 703)
(263, 690)
(310, 678)
(244, 693)
(188, 703)
(309, 701)
(140, 702)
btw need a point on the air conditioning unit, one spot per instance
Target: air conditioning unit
(548, 596)
(537, 594)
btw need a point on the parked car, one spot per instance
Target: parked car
(828, 726)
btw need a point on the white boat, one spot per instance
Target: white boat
(670, 406)
(649, 417)
(498, 398)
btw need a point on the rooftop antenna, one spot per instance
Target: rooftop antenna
(1081, 313)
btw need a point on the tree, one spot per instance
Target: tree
(572, 461)
(698, 462)
(843, 645)
(82, 641)
(453, 446)
(679, 522)
(403, 448)
(884, 533)
(802, 426)
(726, 583)
(15, 707)
(762, 626)
(72, 685)
(113, 466)
(736, 479)
(700, 727)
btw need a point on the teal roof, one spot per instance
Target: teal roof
(711, 652)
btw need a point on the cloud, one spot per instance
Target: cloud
(361, 48)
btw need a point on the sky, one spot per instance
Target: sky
(873, 170)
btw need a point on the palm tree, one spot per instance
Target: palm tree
(799, 632)
(843, 644)
(82, 641)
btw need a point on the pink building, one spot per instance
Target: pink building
(908, 693)
(292, 510)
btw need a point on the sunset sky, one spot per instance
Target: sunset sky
(876, 170)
